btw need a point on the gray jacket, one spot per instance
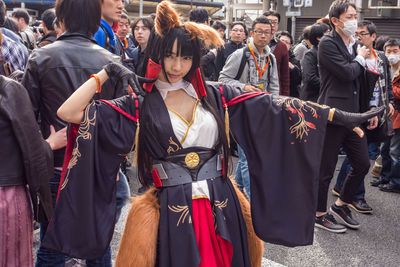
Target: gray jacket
(250, 74)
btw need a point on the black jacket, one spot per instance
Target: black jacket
(295, 75)
(55, 71)
(25, 158)
(224, 53)
(311, 81)
(339, 73)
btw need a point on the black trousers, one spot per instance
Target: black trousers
(356, 149)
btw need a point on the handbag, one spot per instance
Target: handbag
(384, 131)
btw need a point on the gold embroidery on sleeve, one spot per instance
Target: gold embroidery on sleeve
(83, 133)
(184, 210)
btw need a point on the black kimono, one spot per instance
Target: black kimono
(282, 138)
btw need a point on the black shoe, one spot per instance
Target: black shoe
(336, 191)
(361, 206)
(327, 222)
(389, 188)
(343, 215)
(377, 182)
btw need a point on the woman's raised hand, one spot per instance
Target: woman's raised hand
(123, 77)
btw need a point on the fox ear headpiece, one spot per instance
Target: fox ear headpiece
(166, 19)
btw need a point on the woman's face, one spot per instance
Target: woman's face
(176, 67)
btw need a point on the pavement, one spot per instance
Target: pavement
(376, 243)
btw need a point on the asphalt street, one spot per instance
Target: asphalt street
(376, 243)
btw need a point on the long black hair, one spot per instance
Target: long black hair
(158, 48)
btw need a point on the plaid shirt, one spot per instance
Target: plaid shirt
(13, 54)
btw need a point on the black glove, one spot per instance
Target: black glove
(352, 120)
(122, 77)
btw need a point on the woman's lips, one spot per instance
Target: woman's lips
(174, 76)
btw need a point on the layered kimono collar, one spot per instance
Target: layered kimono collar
(165, 87)
(196, 81)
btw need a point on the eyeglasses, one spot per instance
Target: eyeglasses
(273, 22)
(262, 33)
(238, 30)
(361, 34)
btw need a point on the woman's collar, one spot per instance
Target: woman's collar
(165, 87)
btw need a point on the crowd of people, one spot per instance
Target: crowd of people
(184, 96)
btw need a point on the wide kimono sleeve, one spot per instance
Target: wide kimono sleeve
(84, 219)
(282, 138)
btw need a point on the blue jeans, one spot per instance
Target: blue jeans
(373, 150)
(394, 177)
(49, 258)
(344, 171)
(386, 161)
(242, 176)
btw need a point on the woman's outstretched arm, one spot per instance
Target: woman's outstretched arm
(72, 109)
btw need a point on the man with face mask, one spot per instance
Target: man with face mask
(392, 181)
(382, 95)
(342, 63)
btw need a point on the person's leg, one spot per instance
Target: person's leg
(123, 193)
(394, 177)
(45, 257)
(104, 261)
(357, 151)
(344, 171)
(373, 150)
(386, 161)
(238, 172)
(333, 138)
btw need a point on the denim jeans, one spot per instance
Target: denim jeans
(344, 171)
(49, 258)
(242, 176)
(394, 177)
(373, 150)
(386, 161)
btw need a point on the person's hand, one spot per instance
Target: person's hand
(373, 123)
(249, 88)
(291, 66)
(57, 139)
(391, 111)
(122, 77)
(363, 51)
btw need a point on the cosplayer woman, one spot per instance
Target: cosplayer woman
(193, 216)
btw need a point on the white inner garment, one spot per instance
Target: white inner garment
(202, 132)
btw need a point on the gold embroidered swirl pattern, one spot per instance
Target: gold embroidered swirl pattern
(173, 146)
(184, 210)
(219, 205)
(83, 133)
(301, 127)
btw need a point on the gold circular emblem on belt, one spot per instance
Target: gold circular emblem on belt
(192, 159)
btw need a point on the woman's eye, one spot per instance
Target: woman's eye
(187, 58)
(168, 56)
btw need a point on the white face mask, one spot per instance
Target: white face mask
(393, 59)
(350, 27)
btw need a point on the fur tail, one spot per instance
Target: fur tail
(256, 246)
(138, 245)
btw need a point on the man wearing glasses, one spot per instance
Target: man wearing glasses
(278, 48)
(237, 35)
(252, 68)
